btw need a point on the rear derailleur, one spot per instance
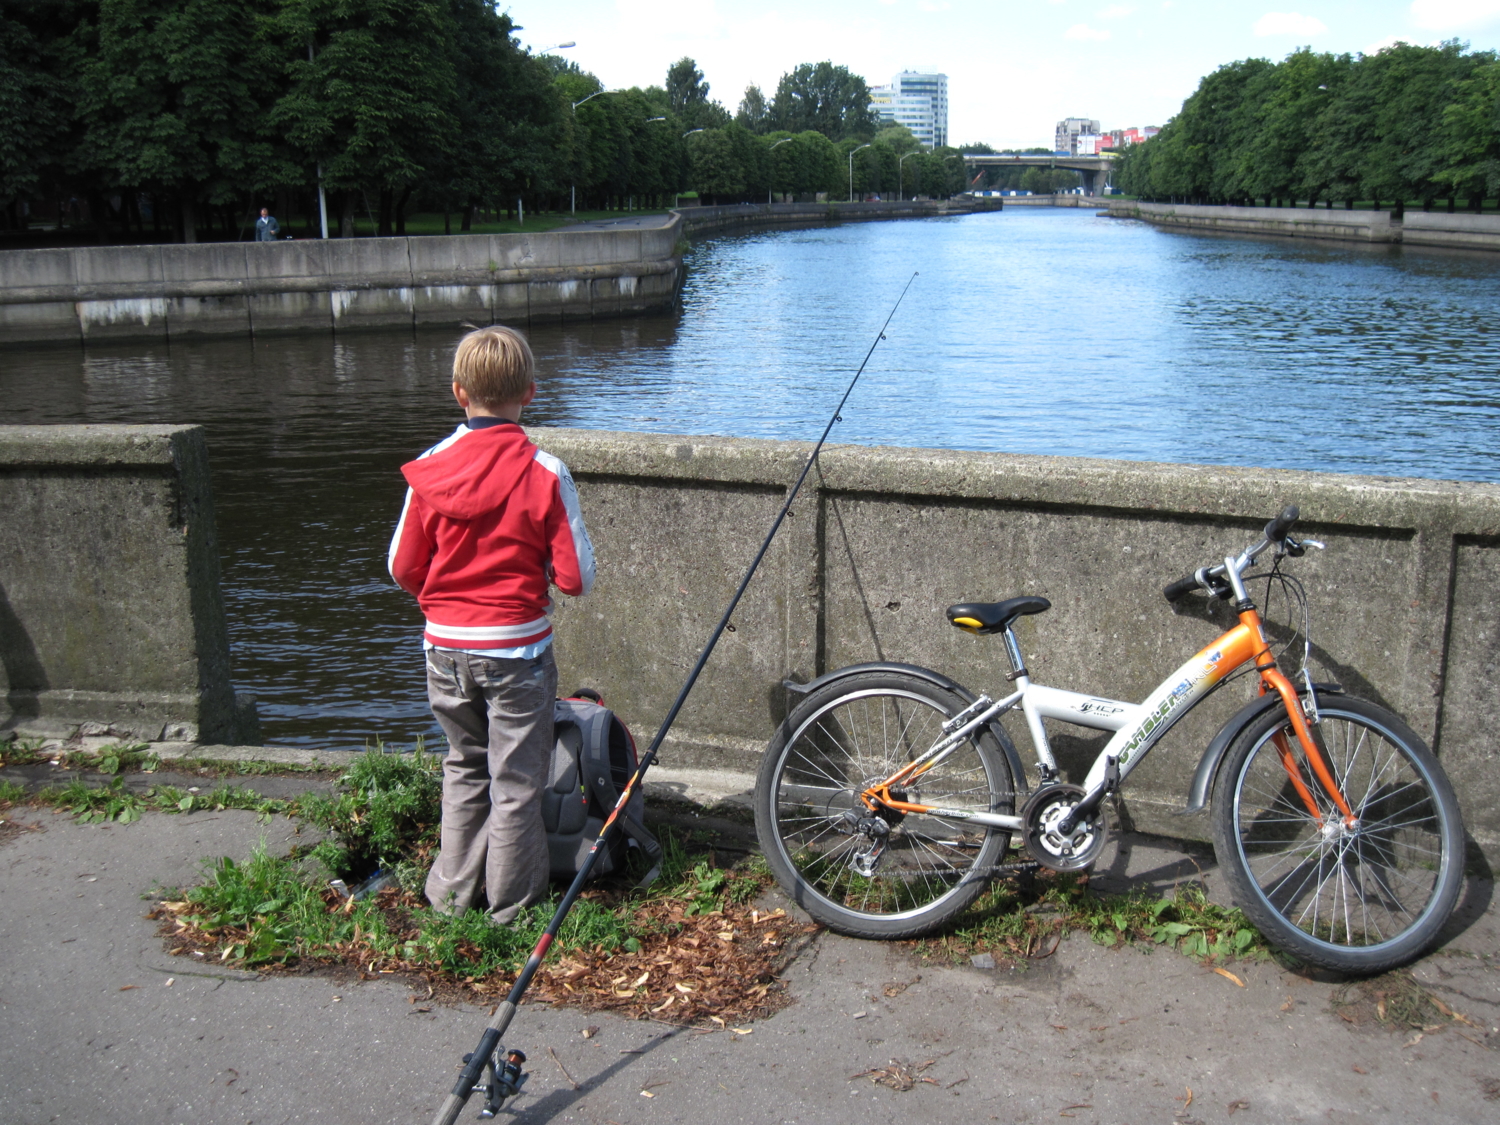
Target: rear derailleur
(876, 831)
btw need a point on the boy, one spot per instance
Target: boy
(488, 520)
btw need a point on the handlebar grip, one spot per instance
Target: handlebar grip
(1276, 530)
(1181, 588)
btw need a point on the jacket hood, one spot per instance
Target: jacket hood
(473, 475)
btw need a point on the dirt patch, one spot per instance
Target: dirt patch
(11, 829)
(1396, 1002)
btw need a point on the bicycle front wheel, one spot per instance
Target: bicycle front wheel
(1356, 900)
(847, 736)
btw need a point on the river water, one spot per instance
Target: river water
(1032, 331)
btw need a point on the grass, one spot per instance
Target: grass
(1021, 919)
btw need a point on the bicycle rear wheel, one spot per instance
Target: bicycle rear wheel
(851, 734)
(1359, 900)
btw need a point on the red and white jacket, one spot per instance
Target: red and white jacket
(488, 520)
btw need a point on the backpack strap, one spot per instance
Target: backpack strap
(596, 723)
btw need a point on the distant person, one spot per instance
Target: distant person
(489, 523)
(267, 229)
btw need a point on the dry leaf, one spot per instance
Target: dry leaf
(1227, 975)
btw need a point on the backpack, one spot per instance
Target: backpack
(593, 758)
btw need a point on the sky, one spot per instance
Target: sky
(1014, 68)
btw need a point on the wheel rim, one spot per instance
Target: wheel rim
(1362, 888)
(858, 739)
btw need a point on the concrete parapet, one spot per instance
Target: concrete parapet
(702, 220)
(1402, 601)
(110, 608)
(1294, 222)
(1474, 232)
(155, 292)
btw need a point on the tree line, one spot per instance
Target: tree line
(1407, 124)
(184, 116)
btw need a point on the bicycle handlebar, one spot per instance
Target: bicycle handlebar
(1181, 588)
(1276, 533)
(1276, 530)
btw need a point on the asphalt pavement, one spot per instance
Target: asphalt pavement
(99, 1024)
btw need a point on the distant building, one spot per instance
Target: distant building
(917, 100)
(1069, 129)
(1134, 136)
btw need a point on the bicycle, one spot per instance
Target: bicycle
(886, 802)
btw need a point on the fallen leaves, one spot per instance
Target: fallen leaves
(1237, 1105)
(898, 1075)
(687, 968)
(1227, 975)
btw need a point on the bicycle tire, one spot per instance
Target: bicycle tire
(1358, 902)
(850, 734)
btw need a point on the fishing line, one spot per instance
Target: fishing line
(505, 1076)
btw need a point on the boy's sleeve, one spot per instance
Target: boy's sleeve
(567, 539)
(411, 550)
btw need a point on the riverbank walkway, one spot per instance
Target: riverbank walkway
(100, 1024)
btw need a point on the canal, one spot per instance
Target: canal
(1031, 331)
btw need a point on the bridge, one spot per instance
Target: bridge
(1094, 169)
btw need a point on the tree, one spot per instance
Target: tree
(899, 139)
(174, 97)
(506, 117)
(687, 96)
(824, 97)
(753, 114)
(1470, 147)
(42, 49)
(375, 104)
(715, 172)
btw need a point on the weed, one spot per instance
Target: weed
(1020, 921)
(114, 803)
(12, 793)
(385, 817)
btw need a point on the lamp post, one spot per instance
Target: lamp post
(852, 151)
(573, 188)
(690, 132)
(770, 150)
(900, 182)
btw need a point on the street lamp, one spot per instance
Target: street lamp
(852, 151)
(770, 150)
(573, 188)
(901, 183)
(690, 132)
(557, 47)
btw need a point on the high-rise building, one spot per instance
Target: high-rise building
(917, 100)
(1068, 131)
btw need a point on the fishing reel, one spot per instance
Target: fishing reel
(503, 1079)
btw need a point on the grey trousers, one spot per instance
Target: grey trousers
(497, 715)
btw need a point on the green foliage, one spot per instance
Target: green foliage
(1406, 123)
(115, 803)
(827, 98)
(12, 792)
(1023, 920)
(385, 816)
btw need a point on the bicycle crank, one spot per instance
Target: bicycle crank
(1047, 843)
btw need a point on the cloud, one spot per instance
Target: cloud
(1381, 44)
(1440, 15)
(1084, 31)
(1289, 23)
(933, 5)
(1116, 12)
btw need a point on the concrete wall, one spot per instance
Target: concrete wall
(1296, 222)
(1418, 228)
(1403, 600)
(1433, 228)
(91, 293)
(110, 609)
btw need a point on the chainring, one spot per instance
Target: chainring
(1049, 847)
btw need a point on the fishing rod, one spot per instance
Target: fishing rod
(501, 1068)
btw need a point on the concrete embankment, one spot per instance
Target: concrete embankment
(592, 271)
(93, 293)
(1402, 601)
(1418, 228)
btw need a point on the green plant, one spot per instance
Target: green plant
(12, 792)
(385, 816)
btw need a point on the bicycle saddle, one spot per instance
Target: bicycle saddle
(994, 617)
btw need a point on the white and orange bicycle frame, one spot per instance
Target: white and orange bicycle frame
(1137, 726)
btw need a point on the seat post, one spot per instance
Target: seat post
(1013, 651)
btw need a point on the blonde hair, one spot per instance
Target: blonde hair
(494, 366)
